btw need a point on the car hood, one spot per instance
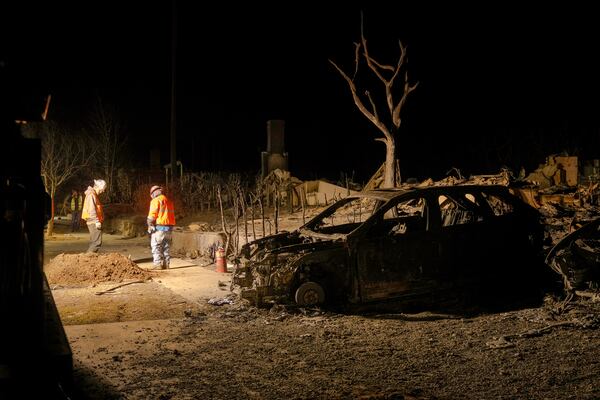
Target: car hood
(295, 242)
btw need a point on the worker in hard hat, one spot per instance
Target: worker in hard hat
(93, 214)
(161, 220)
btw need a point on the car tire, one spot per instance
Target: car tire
(309, 294)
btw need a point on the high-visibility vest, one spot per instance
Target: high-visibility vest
(76, 202)
(162, 211)
(95, 205)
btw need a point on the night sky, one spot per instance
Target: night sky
(498, 85)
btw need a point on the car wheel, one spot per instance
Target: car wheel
(309, 294)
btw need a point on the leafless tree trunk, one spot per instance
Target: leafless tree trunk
(252, 204)
(302, 203)
(107, 130)
(234, 188)
(236, 216)
(262, 215)
(268, 195)
(223, 221)
(260, 192)
(387, 74)
(276, 207)
(270, 226)
(244, 216)
(63, 155)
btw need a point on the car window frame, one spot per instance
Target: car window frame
(308, 228)
(378, 215)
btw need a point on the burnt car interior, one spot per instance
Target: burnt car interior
(456, 210)
(345, 218)
(406, 216)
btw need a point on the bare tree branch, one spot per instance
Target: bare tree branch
(372, 104)
(360, 104)
(382, 66)
(400, 61)
(107, 128)
(407, 90)
(356, 59)
(370, 62)
(380, 70)
(64, 154)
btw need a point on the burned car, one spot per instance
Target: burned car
(397, 244)
(576, 257)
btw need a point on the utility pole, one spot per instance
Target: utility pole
(173, 103)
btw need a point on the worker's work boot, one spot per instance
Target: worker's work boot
(165, 265)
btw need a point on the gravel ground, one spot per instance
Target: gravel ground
(237, 352)
(158, 341)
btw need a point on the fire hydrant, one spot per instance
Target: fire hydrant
(221, 261)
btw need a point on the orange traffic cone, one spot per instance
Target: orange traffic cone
(220, 260)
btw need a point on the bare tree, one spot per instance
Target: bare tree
(244, 208)
(233, 185)
(226, 231)
(108, 133)
(260, 193)
(388, 75)
(252, 213)
(63, 155)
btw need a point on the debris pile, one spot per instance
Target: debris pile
(577, 258)
(568, 199)
(503, 178)
(92, 268)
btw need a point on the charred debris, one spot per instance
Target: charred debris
(321, 262)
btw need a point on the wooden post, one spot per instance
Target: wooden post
(302, 203)
(276, 203)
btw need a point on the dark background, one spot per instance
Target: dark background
(499, 85)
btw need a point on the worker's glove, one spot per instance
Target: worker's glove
(98, 225)
(151, 229)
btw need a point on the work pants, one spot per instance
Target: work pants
(95, 238)
(160, 242)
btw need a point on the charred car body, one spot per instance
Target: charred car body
(396, 244)
(576, 257)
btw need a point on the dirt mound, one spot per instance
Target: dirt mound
(92, 268)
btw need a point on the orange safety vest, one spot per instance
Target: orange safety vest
(96, 204)
(162, 211)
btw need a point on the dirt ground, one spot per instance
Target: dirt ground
(162, 339)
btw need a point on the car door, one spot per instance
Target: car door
(395, 255)
(464, 231)
(508, 235)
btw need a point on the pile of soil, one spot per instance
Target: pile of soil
(93, 268)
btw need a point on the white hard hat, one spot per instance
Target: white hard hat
(154, 188)
(99, 184)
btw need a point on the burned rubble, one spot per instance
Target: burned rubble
(576, 258)
(571, 213)
(273, 269)
(569, 205)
